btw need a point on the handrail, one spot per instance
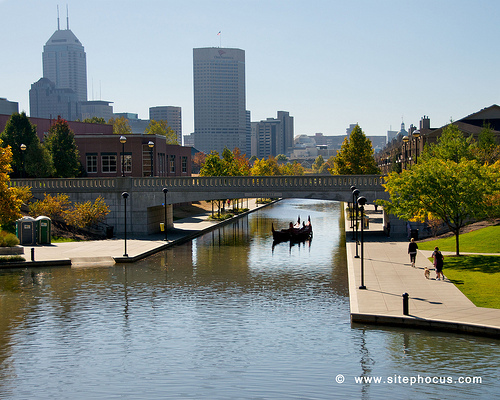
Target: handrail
(203, 183)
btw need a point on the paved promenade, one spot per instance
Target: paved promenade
(111, 251)
(388, 274)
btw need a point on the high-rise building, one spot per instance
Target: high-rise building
(172, 115)
(47, 101)
(65, 62)
(220, 117)
(8, 107)
(64, 84)
(273, 136)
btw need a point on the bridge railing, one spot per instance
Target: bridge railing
(196, 183)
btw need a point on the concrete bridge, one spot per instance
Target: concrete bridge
(145, 202)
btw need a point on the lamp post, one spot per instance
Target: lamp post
(151, 145)
(356, 195)
(165, 191)
(416, 135)
(125, 195)
(362, 202)
(405, 154)
(353, 188)
(123, 140)
(23, 149)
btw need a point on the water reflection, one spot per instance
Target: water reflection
(224, 317)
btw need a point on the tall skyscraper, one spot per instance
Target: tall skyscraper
(220, 117)
(65, 62)
(64, 84)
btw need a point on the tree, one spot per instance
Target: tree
(121, 126)
(486, 149)
(35, 161)
(454, 192)
(451, 145)
(11, 198)
(318, 163)
(355, 156)
(62, 146)
(161, 128)
(213, 165)
(265, 167)
(294, 168)
(95, 120)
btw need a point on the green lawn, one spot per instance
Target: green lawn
(478, 277)
(485, 240)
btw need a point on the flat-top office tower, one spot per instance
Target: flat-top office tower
(219, 99)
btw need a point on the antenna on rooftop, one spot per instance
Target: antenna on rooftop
(58, 17)
(67, 18)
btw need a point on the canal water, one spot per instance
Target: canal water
(226, 316)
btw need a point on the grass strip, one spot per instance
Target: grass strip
(484, 240)
(477, 277)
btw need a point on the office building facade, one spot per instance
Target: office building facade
(220, 117)
(171, 114)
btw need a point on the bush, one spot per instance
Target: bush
(84, 215)
(51, 206)
(8, 239)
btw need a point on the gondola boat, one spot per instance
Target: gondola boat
(294, 233)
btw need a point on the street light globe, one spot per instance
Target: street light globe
(151, 144)
(23, 147)
(123, 139)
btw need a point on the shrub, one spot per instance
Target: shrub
(86, 214)
(8, 239)
(51, 206)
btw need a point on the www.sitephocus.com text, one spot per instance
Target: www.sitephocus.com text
(413, 380)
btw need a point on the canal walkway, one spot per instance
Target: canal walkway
(388, 274)
(111, 251)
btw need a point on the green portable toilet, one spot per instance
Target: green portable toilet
(26, 231)
(44, 229)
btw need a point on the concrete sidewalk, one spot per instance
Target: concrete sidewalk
(111, 251)
(388, 274)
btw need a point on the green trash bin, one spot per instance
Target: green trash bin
(26, 231)
(44, 229)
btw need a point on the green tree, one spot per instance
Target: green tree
(486, 149)
(62, 146)
(36, 159)
(450, 145)
(281, 157)
(455, 193)
(121, 126)
(318, 163)
(265, 167)
(95, 120)
(213, 165)
(293, 168)
(161, 128)
(355, 156)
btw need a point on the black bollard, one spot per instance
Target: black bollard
(32, 254)
(406, 307)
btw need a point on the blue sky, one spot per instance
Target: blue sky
(329, 63)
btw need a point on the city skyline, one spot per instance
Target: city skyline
(328, 63)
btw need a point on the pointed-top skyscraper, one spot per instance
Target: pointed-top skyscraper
(65, 61)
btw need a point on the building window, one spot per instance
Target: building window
(172, 164)
(127, 163)
(91, 163)
(161, 164)
(184, 164)
(108, 162)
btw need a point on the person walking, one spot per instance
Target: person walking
(412, 251)
(438, 263)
